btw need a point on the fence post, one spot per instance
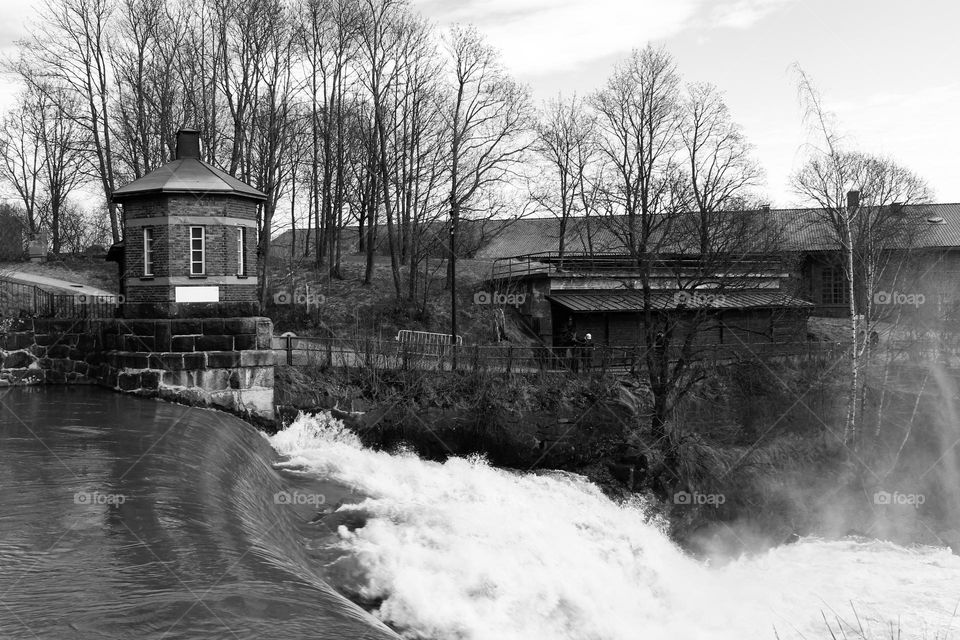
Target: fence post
(509, 358)
(603, 361)
(289, 351)
(329, 353)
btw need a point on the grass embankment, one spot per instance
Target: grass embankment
(350, 308)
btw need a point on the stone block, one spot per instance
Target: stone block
(186, 327)
(171, 361)
(150, 380)
(254, 377)
(59, 351)
(46, 339)
(245, 341)
(214, 343)
(238, 326)
(134, 361)
(162, 335)
(23, 340)
(139, 327)
(55, 377)
(132, 342)
(128, 381)
(173, 378)
(182, 343)
(212, 326)
(214, 380)
(194, 361)
(260, 358)
(223, 359)
(26, 376)
(18, 360)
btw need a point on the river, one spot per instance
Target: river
(129, 518)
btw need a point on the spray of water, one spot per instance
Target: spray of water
(464, 550)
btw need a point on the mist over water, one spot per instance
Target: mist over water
(464, 550)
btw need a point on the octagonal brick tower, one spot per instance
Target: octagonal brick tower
(190, 238)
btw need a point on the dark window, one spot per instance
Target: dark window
(833, 289)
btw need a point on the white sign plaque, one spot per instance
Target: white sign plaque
(198, 294)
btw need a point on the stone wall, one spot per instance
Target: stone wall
(219, 362)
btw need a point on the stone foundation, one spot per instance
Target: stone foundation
(222, 362)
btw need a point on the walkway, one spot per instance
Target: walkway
(46, 282)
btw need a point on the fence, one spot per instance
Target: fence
(375, 354)
(18, 299)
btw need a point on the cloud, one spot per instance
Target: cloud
(544, 36)
(742, 14)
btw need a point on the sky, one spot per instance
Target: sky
(888, 70)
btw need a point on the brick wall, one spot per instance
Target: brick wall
(171, 255)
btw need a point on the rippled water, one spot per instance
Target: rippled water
(129, 518)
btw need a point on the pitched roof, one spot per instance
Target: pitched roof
(187, 175)
(632, 301)
(802, 230)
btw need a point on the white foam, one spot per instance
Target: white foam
(464, 550)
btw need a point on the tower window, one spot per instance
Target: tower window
(147, 251)
(241, 251)
(197, 251)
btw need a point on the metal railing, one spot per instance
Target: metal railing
(519, 359)
(19, 299)
(623, 263)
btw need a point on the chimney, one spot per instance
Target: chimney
(853, 199)
(188, 144)
(765, 208)
(897, 207)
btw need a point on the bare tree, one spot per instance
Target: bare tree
(488, 121)
(639, 116)
(64, 143)
(68, 49)
(22, 153)
(859, 197)
(566, 141)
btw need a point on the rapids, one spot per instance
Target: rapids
(464, 550)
